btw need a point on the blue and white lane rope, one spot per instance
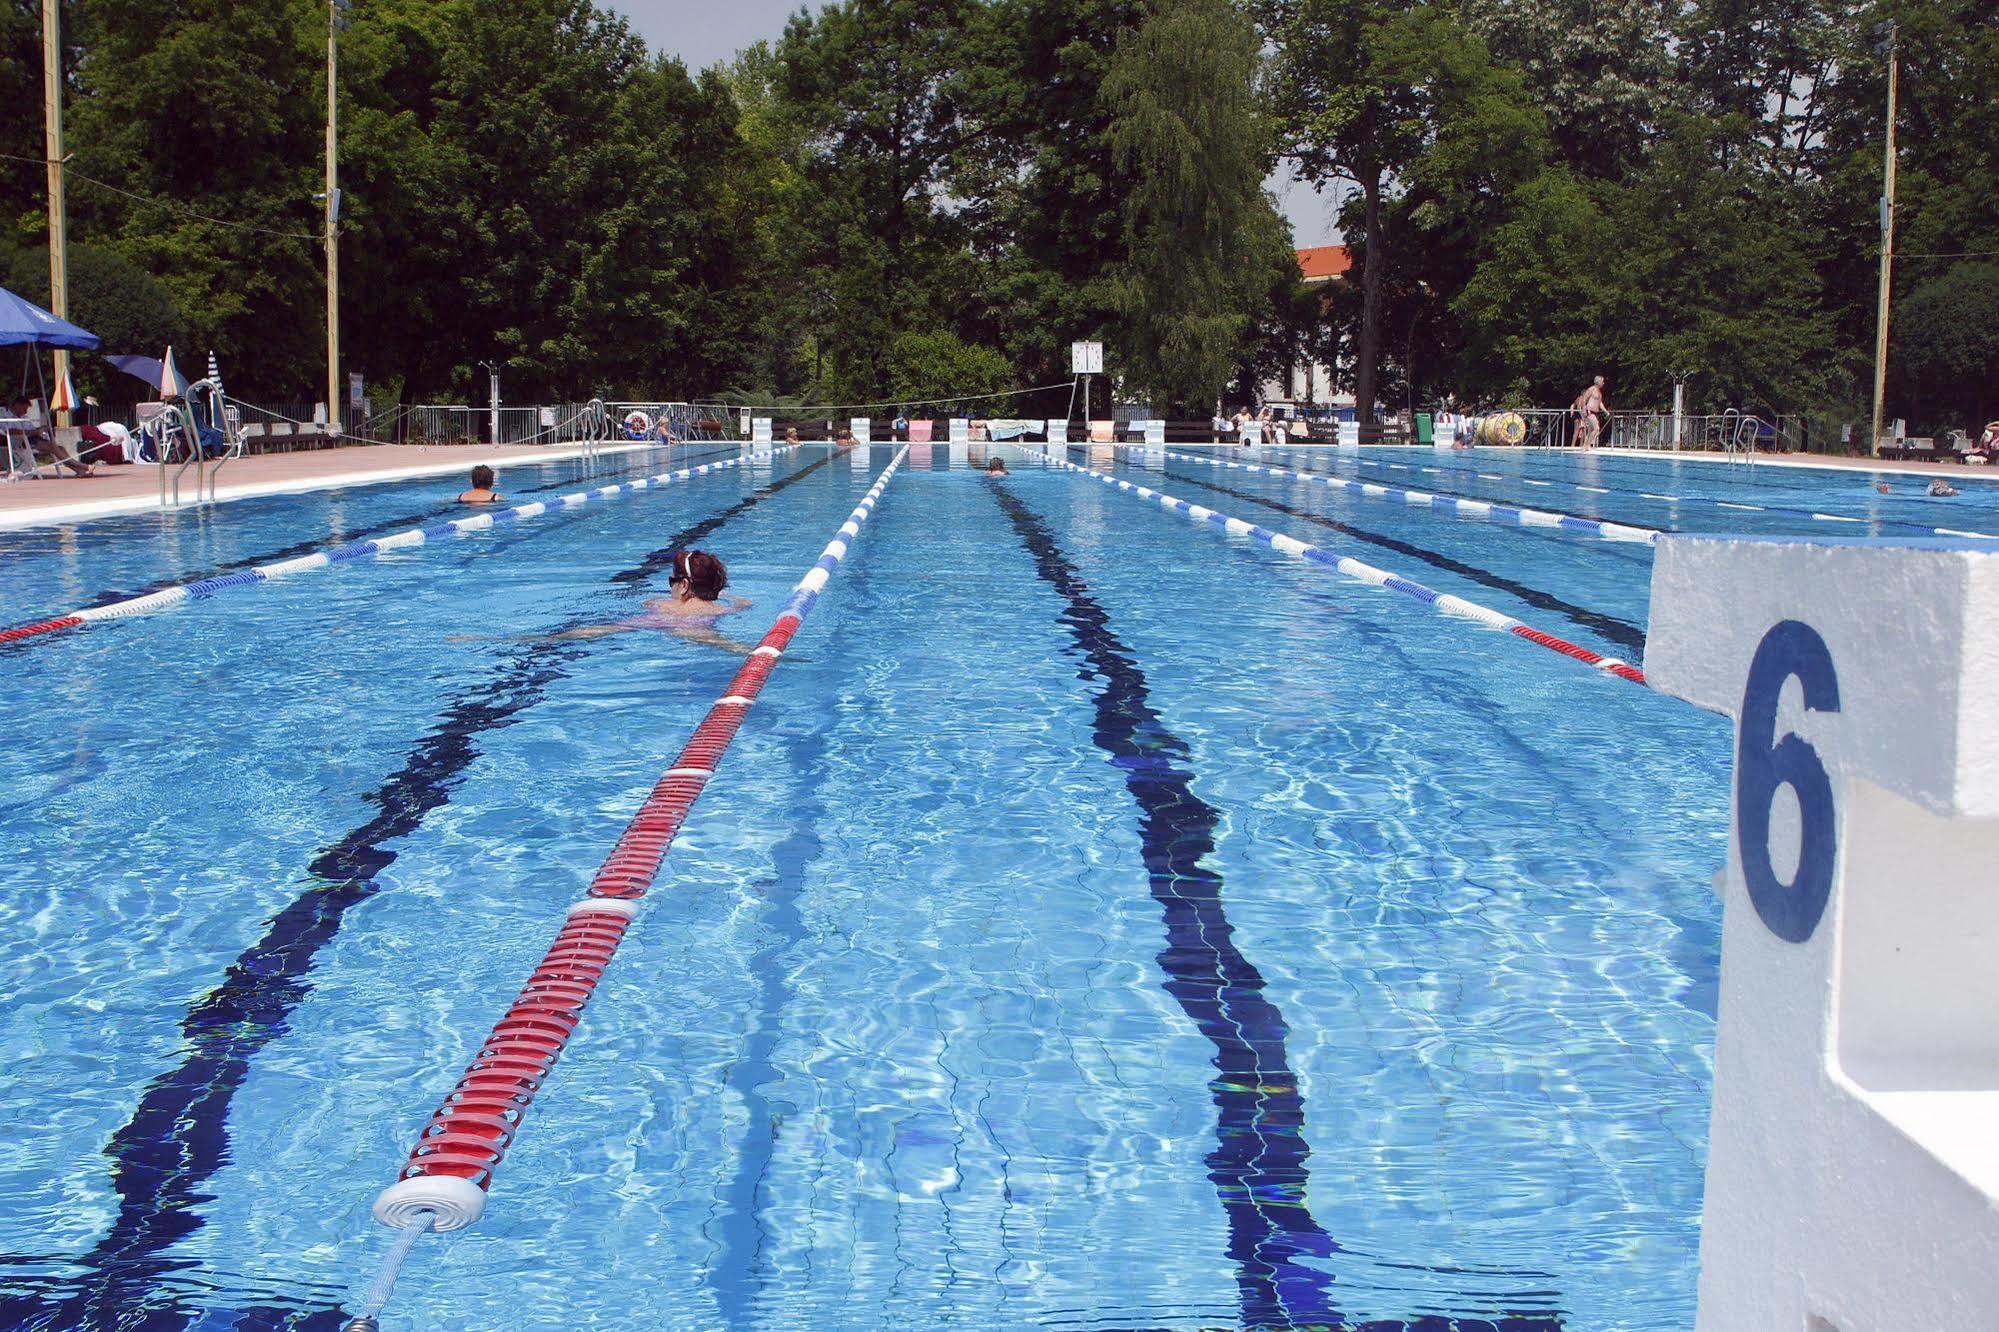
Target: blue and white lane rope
(357, 550)
(1453, 504)
(1814, 514)
(1443, 602)
(442, 1186)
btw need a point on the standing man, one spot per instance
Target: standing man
(1586, 406)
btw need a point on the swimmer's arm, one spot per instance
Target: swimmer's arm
(587, 631)
(713, 638)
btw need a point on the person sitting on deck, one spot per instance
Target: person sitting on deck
(1987, 448)
(43, 442)
(482, 487)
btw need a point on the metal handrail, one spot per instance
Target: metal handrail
(234, 440)
(179, 407)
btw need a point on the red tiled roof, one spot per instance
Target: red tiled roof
(1321, 263)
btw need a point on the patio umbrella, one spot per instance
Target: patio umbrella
(64, 399)
(214, 371)
(171, 383)
(143, 368)
(22, 322)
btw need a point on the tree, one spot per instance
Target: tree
(1946, 346)
(937, 365)
(1202, 238)
(1601, 71)
(868, 83)
(1035, 173)
(129, 309)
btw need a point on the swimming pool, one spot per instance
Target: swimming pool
(1098, 922)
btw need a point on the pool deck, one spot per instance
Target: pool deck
(1822, 461)
(135, 488)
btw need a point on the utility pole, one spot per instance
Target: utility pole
(336, 19)
(52, 150)
(1887, 31)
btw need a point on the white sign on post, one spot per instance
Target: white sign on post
(548, 418)
(1086, 358)
(1155, 433)
(1058, 431)
(860, 426)
(760, 430)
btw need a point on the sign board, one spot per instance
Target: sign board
(860, 426)
(1155, 433)
(1086, 358)
(760, 430)
(357, 394)
(961, 430)
(1058, 432)
(548, 418)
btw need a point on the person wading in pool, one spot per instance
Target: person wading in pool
(482, 487)
(689, 612)
(996, 467)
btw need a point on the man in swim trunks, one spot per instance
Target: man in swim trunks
(1587, 405)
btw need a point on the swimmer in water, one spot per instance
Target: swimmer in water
(1942, 489)
(996, 467)
(1882, 486)
(482, 487)
(689, 612)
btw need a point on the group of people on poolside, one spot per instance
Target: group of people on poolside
(694, 585)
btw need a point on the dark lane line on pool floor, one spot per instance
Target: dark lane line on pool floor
(1258, 1166)
(1621, 632)
(177, 1137)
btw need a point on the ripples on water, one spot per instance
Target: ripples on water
(1099, 923)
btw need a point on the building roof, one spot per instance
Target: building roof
(1323, 263)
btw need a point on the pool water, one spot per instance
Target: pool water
(1099, 921)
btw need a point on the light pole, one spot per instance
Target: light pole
(492, 369)
(336, 22)
(1887, 32)
(52, 150)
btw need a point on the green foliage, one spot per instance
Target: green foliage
(868, 87)
(1536, 191)
(1201, 236)
(129, 309)
(1946, 343)
(931, 365)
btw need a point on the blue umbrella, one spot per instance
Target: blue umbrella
(146, 368)
(22, 322)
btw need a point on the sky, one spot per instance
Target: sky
(702, 32)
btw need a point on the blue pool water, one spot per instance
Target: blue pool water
(1099, 922)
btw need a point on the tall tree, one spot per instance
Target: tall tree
(206, 113)
(1035, 173)
(870, 85)
(1202, 237)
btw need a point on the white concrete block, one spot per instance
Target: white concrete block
(1853, 1167)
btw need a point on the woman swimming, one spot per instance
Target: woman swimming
(689, 611)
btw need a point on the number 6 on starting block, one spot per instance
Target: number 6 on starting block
(1853, 1162)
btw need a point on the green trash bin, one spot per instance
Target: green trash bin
(1426, 429)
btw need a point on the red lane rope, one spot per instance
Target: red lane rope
(467, 1137)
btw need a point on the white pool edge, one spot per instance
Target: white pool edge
(84, 511)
